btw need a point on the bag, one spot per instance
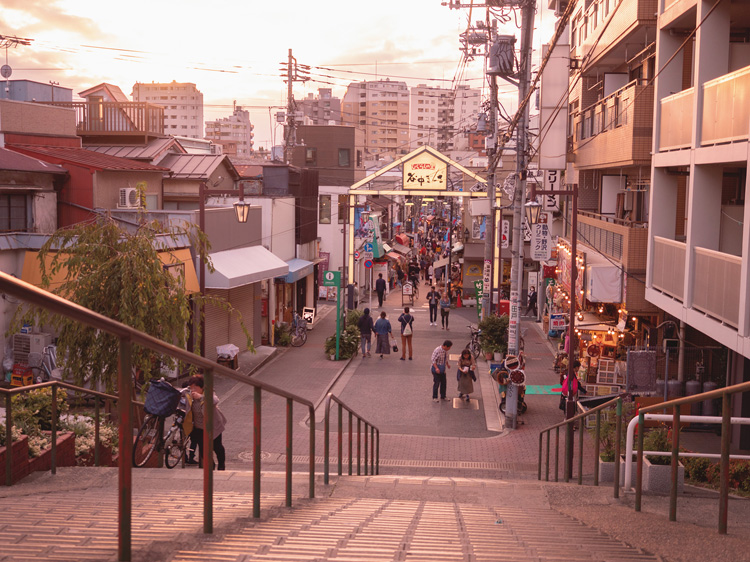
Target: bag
(562, 402)
(162, 399)
(407, 330)
(393, 344)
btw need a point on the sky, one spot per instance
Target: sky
(233, 50)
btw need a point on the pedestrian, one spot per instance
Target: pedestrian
(431, 272)
(400, 275)
(439, 366)
(433, 298)
(356, 295)
(380, 289)
(531, 307)
(407, 321)
(383, 330)
(365, 326)
(195, 383)
(571, 387)
(466, 374)
(445, 309)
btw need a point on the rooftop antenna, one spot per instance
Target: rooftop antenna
(7, 41)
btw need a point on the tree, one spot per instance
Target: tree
(119, 274)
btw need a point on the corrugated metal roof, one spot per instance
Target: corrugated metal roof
(196, 166)
(15, 162)
(249, 170)
(85, 157)
(148, 152)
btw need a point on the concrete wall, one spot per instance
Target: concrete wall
(34, 118)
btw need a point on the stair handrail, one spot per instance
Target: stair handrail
(127, 337)
(616, 403)
(374, 431)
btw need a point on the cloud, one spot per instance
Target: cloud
(46, 15)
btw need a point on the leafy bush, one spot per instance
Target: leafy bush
(348, 344)
(282, 334)
(696, 468)
(658, 439)
(83, 426)
(15, 434)
(353, 316)
(494, 336)
(32, 411)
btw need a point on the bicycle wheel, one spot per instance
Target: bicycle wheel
(174, 446)
(300, 336)
(147, 440)
(475, 348)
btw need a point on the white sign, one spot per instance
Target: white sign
(425, 171)
(513, 322)
(551, 183)
(541, 240)
(486, 273)
(526, 230)
(367, 255)
(505, 235)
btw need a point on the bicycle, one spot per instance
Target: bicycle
(151, 436)
(299, 330)
(474, 346)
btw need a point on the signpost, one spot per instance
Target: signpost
(478, 291)
(333, 279)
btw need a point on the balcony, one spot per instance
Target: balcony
(726, 108)
(676, 123)
(621, 240)
(716, 285)
(116, 119)
(669, 267)
(617, 130)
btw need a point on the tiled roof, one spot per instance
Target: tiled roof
(152, 150)
(85, 158)
(16, 162)
(113, 91)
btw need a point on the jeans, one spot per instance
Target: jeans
(196, 440)
(365, 341)
(444, 312)
(438, 382)
(433, 313)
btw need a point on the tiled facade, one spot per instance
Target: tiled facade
(183, 106)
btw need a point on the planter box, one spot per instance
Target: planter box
(20, 466)
(66, 454)
(657, 478)
(607, 472)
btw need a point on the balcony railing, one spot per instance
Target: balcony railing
(116, 118)
(726, 111)
(716, 285)
(669, 267)
(613, 237)
(617, 129)
(676, 123)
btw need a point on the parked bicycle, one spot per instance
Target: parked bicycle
(162, 401)
(299, 330)
(474, 345)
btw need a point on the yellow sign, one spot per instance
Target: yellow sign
(425, 171)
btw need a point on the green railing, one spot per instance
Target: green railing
(726, 413)
(569, 448)
(374, 445)
(127, 337)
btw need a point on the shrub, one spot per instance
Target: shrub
(32, 411)
(658, 439)
(282, 336)
(696, 468)
(83, 426)
(494, 336)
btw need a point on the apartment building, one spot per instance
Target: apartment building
(381, 109)
(323, 109)
(183, 106)
(234, 132)
(442, 118)
(699, 233)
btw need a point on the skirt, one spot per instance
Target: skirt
(465, 384)
(383, 345)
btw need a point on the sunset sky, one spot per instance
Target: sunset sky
(232, 49)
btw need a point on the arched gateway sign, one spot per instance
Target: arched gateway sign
(424, 173)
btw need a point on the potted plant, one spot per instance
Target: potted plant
(657, 470)
(494, 335)
(608, 442)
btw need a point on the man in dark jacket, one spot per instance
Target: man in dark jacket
(380, 289)
(365, 326)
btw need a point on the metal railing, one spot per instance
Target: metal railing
(374, 444)
(569, 449)
(726, 414)
(53, 422)
(127, 337)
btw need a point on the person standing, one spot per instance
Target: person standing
(445, 310)
(365, 326)
(406, 320)
(380, 289)
(439, 366)
(400, 275)
(532, 302)
(431, 271)
(383, 330)
(433, 298)
(356, 295)
(196, 436)
(466, 374)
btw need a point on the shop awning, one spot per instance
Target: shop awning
(603, 279)
(442, 262)
(458, 246)
(401, 239)
(32, 273)
(394, 256)
(242, 266)
(386, 247)
(298, 269)
(401, 249)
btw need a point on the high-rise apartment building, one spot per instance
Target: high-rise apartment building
(183, 106)
(442, 117)
(323, 109)
(235, 132)
(381, 110)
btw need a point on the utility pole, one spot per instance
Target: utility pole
(490, 227)
(294, 72)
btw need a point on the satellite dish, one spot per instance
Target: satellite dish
(6, 71)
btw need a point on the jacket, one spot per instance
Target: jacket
(365, 325)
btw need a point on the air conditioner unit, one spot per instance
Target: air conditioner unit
(128, 198)
(23, 344)
(672, 344)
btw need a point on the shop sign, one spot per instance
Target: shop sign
(551, 183)
(557, 322)
(331, 278)
(487, 272)
(505, 236)
(541, 240)
(425, 171)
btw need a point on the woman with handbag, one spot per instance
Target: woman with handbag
(466, 374)
(383, 331)
(406, 321)
(445, 309)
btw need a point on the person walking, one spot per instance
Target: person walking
(383, 330)
(433, 298)
(532, 302)
(445, 310)
(195, 383)
(365, 326)
(571, 386)
(400, 275)
(380, 289)
(406, 320)
(431, 272)
(466, 374)
(439, 366)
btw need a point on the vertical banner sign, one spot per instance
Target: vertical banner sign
(513, 323)
(541, 246)
(486, 273)
(478, 291)
(505, 235)
(551, 183)
(333, 279)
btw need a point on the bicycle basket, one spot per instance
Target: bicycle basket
(162, 399)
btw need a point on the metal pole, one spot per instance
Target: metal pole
(125, 460)
(639, 464)
(208, 451)
(9, 441)
(256, 451)
(726, 429)
(618, 443)
(489, 227)
(202, 287)
(289, 423)
(341, 440)
(53, 453)
(570, 407)
(675, 462)
(596, 446)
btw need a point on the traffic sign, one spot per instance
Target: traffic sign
(331, 278)
(356, 255)
(367, 247)
(368, 264)
(367, 255)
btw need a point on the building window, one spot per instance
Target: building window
(343, 206)
(344, 157)
(13, 213)
(324, 213)
(311, 156)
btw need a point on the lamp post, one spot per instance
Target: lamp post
(241, 211)
(533, 209)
